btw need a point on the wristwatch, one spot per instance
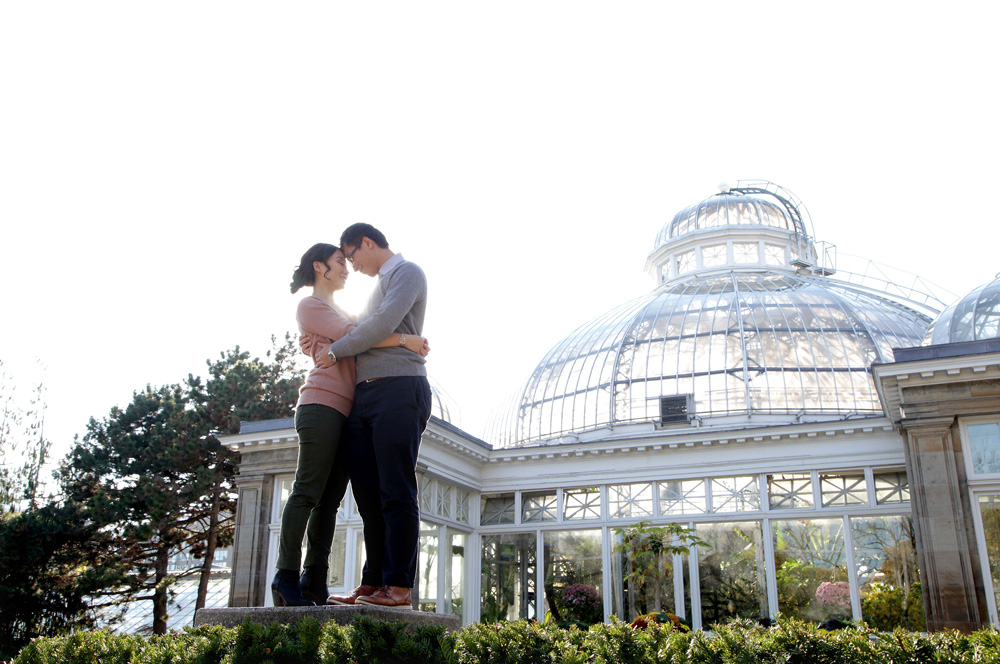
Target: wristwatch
(333, 358)
(402, 340)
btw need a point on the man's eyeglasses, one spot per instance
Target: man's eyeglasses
(350, 256)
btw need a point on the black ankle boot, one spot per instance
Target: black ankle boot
(285, 589)
(313, 584)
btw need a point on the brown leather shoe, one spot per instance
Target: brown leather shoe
(360, 591)
(391, 596)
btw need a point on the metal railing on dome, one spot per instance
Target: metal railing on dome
(871, 275)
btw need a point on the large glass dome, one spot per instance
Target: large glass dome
(973, 318)
(746, 326)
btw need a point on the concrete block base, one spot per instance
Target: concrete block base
(342, 615)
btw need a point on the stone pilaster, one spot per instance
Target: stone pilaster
(253, 507)
(944, 541)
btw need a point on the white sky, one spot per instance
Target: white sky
(164, 165)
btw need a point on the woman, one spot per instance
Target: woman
(324, 402)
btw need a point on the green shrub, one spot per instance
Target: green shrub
(620, 642)
(335, 644)
(377, 642)
(369, 641)
(887, 607)
(518, 642)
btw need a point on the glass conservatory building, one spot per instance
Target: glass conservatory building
(736, 400)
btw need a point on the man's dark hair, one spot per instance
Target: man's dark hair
(354, 233)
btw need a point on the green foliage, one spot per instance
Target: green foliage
(210, 645)
(513, 642)
(334, 644)
(380, 642)
(518, 642)
(138, 472)
(648, 558)
(276, 644)
(730, 586)
(797, 582)
(620, 642)
(51, 558)
(886, 607)
(144, 482)
(155, 474)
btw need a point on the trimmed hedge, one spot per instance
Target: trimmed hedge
(369, 641)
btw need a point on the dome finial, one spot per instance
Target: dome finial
(723, 188)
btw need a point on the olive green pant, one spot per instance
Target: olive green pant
(320, 485)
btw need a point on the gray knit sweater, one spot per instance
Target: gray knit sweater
(396, 305)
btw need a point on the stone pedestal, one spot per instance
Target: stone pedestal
(342, 615)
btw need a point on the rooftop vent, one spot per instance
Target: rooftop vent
(678, 408)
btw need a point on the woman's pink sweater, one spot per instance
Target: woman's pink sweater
(325, 323)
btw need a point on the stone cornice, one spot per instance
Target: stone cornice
(892, 379)
(655, 441)
(443, 436)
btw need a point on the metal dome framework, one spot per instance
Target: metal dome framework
(740, 344)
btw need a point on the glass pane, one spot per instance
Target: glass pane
(789, 491)
(582, 503)
(359, 556)
(630, 500)
(497, 509)
(427, 565)
(843, 489)
(774, 254)
(732, 572)
(682, 497)
(573, 576)
(891, 487)
(811, 569)
(735, 494)
(713, 255)
(284, 491)
(984, 441)
(444, 500)
(455, 569)
(685, 262)
(989, 507)
(887, 572)
(508, 570)
(338, 559)
(645, 577)
(426, 494)
(462, 506)
(745, 252)
(538, 506)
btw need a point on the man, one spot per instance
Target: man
(392, 404)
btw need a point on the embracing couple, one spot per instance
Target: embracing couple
(359, 417)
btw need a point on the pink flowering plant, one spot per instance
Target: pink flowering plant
(583, 602)
(834, 595)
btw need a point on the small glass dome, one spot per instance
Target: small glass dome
(443, 406)
(729, 209)
(973, 318)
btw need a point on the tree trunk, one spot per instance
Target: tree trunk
(160, 592)
(213, 538)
